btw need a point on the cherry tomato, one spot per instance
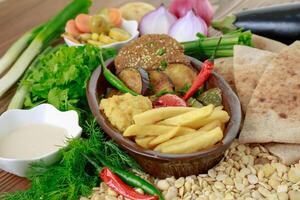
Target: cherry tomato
(170, 100)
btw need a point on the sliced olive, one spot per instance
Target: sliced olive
(98, 24)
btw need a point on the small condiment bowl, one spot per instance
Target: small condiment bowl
(165, 165)
(42, 114)
(130, 26)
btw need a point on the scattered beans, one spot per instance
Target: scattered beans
(248, 172)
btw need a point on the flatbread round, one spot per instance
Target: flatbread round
(248, 66)
(273, 114)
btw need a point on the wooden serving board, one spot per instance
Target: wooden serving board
(17, 16)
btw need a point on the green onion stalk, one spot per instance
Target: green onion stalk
(204, 47)
(18, 99)
(51, 31)
(16, 49)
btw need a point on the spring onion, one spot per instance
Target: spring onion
(204, 47)
(44, 37)
(16, 49)
(22, 90)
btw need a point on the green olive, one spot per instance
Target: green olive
(98, 24)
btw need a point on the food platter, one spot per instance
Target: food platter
(265, 162)
(168, 164)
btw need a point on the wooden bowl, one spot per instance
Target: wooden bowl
(165, 165)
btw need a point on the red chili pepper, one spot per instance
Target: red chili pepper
(203, 75)
(116, 184)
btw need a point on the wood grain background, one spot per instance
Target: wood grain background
(18, 16)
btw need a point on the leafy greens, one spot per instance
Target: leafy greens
(59, 77)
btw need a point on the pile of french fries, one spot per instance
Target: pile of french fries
(178, 130)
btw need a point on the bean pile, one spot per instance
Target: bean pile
(247, 172)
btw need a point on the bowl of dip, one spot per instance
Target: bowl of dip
(28, 136)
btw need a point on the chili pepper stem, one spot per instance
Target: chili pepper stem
(212, 58)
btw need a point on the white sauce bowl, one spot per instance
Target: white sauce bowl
(130, 26)
(42, 114)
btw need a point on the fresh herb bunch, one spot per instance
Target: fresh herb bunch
(59, 77)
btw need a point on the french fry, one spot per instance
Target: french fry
(176, 140)
(190, 119)
(159, 114)
(210, 126)
(185, 131)
(220, 115)
(144, 141)
(147, 130)
(201, 141)
(164, 137)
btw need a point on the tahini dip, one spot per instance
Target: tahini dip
(32, 141)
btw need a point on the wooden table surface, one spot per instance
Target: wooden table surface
(18, 16)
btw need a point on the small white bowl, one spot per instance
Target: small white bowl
(42, 114)
(130, 26)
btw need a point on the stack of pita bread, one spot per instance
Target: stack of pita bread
(267, 81)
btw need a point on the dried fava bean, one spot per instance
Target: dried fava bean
(256, 195)
(283, 196)
(181, 191)
(282, 188)
(264, 191)
(212, 173)
(163, 185)
(229, 196)
(241, 147)
(268, 170)
(294, 195)
(228, 181)
(274, 183)
(252, 178)
(245, 171)
(219, 185)
(188, 186)
(179, 182)
(221, 177)
(294, 174)
(171, 193)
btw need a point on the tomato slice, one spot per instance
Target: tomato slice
(170, 100)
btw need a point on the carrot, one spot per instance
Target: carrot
(82, 23)
(72, 29)
(115, 16)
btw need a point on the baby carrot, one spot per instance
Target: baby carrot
(72, 29)
(82, 23)
(115, 16)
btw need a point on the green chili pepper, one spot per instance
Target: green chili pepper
(113, 79)
(129, 178)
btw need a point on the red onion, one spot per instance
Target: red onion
(186, 28)
(158, 21)
(180, 7)
(202, 8)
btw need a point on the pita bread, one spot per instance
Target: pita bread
(288, 153)
(273, 114)
(248, 66)
(267, 44)
(224, 67)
